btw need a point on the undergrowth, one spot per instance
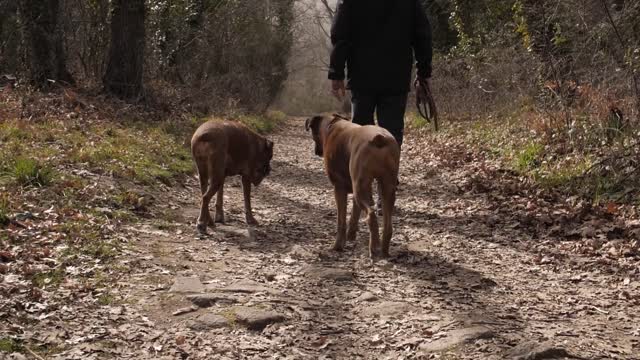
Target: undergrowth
(587, 161)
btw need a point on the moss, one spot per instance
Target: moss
(9, 345)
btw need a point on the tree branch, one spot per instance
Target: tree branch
(623, 43)
(328, 8)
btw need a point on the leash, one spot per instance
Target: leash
(425, 103)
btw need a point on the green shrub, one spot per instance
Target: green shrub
(28, 172)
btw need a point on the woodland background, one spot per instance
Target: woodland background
(524, 207)
(565, 73)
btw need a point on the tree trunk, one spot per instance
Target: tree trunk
(126, 56)
(43, 42)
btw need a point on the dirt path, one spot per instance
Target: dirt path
(463, 283)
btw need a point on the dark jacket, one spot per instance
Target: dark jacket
(377, 40)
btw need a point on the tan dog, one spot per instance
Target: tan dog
(222, 149)
(354, 156)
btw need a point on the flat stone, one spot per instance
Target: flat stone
(236, 231)
(299, 252)
(324, 273)
(184, 284)
(185, 310)
(456, 338)
(256, 318)
(245, 286)
(388, 309)
(208, 300)
(366, 296)
(208, 322)
(535, 351)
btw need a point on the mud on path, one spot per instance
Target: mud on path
(462, 282)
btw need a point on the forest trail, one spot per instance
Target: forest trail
(464, 281)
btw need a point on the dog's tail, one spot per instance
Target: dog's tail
(380, 141)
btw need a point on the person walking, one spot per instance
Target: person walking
(377, 41)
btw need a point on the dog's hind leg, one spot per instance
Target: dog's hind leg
(352, 230)
(341, 203)
(219, 204)
(363, 194)
(205, 215)
(202, 163)
(248, 212)
(388, 201)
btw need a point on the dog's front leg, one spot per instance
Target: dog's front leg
(341, 203)
(246, 190)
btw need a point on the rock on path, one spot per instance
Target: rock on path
(456, 338)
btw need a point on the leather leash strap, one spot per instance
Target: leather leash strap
(425, 103)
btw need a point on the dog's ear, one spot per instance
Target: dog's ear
(311, 122)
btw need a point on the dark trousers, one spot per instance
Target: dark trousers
(389, 110)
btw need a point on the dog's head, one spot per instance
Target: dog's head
(313, 124)
(262, 168)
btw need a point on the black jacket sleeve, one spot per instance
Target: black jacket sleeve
(340, 39)
(422, 41)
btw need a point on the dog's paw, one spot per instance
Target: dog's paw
(202, 229)
(338, 247)
(219, 218)
(252, 221)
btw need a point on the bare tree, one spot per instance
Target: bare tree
(124, 76)
(43, 42)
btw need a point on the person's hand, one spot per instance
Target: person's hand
(338, 89)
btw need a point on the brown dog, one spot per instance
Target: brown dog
(354, 156)
(222, 149)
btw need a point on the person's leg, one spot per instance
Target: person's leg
(362, 108)
(390, 112)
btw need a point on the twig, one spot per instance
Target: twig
(33, 353)
(608, 158)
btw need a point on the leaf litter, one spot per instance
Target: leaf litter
(475, 246)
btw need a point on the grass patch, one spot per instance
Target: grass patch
(106, 299)
(12, 131)
(260, 124)
(145, 155)
(529, 157)
(415, 121)
(230, 316)
(51, 278)
(28, 172)
(4, 211)
(552, 159)
(100, 249)
(9, 345)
